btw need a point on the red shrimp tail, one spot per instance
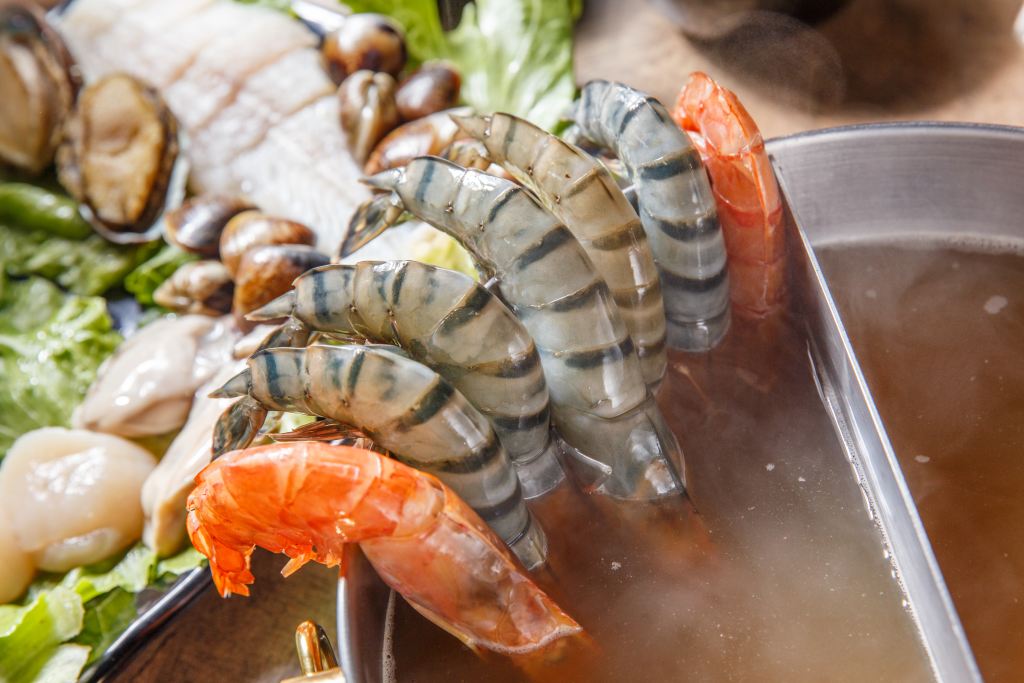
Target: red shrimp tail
(229, 565)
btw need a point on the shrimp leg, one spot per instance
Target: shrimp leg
(451, 324)
(408, 409)
(599, 401)
(745, 189)
(676, 206)
(308, 499)
(580, 192)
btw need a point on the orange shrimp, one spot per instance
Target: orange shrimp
(308, 499)
(747, 194)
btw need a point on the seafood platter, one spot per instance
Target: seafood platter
(550, 372)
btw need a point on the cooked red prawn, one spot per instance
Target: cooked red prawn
(308, 499)
(747, 194)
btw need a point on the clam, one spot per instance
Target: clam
(368, 110)
(364, 41)
(38, 83)
(427, 136)
(251, 229)
(196, 225)
(119, 158)
(203, 287)
(432, 88)
(266, 272)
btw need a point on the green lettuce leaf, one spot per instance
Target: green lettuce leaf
(31, 635)
(514, 56)
(51, 345)
(66, 622)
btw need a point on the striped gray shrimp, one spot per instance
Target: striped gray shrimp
(582, 194)
(599, 401)
(406, 408)
(676, 206)
(448, 322)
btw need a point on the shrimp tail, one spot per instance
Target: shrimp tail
(374, 216)
(278, 308)
(229, 564)
(475, 125)
(239, 385)
(238, 426)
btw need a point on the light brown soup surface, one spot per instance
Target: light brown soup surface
(781, 576)
(939, 331)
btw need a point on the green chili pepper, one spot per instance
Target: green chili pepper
(32, 208)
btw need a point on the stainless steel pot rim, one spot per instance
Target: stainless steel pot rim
(987, 130)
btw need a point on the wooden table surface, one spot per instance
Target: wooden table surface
(875, 60)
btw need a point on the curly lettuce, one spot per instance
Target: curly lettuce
(51, 346)
(67, 621)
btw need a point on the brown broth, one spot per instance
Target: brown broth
(939, 332)
(782, 575)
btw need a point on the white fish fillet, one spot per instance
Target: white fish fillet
(247, 85)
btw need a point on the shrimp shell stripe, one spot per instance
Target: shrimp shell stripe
(581, 193)
(586, 351)
(448, 322)
(412, 412)
(676, 206)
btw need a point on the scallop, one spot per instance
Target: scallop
(119, 158)
(38, 83)
(17, 568)
(73, 496)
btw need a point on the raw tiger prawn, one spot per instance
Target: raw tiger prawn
(600, 402)
(451, 324)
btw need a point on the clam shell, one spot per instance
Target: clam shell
(251, 229)
(268, 271)
(196, 226)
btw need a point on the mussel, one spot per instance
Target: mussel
(203, 287)
(368, 111)
(119, 157)
(432, 88)
(196, 225)
(251, 229)
(364, 41)
(38, 84)
(266, 272)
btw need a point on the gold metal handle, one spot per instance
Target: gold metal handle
(316, 656)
